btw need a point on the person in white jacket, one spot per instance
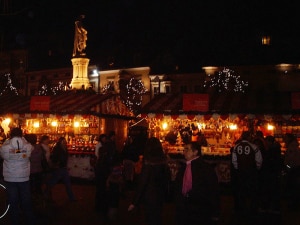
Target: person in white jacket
(16, 152)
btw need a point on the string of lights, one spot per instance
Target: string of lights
(61, 87)
(132, 94)
(9, 86)
(226, 80)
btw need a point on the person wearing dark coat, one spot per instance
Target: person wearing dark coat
(247, 161)
(197, 195)
(270, 172)
(130, 155)
(59, 161)
(36, 169)
(152, 182)
(107, 159)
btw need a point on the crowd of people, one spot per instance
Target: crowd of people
(31, 168)
(257, 174)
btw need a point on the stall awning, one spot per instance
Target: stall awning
(68, 103)
(226, 103)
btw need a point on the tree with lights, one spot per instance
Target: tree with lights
(226, 80)
(6, 86)
(131, 93)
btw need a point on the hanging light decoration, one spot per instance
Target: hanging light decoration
(226, 80)
(60, 88)
(131, 92)
(9, 86)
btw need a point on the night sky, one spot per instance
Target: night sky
(161, 34)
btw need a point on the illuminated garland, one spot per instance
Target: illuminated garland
(9, 86)
(60, 88)
(131, 92)
(108, 88)
(226, 80)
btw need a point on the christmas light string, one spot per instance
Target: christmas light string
(61, 87)
(226, 80)
(132, 91)
(9, 85)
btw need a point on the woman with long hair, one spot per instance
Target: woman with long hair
(152, 182)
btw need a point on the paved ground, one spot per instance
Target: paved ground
(81, 212)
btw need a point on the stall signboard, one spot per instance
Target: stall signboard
(195, 102)
(40, 103)
(296, 100)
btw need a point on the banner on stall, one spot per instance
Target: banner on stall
(40, 103)
(195, 102)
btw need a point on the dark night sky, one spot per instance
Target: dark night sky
(159, 33)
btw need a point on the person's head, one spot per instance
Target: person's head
(246, 135)
(289, 138)
(61, 141)
(16, 132)
(102, 138)
(154, 150)
(31, 138)
(269, 140)
(111, 135)
(259, 134)
(192, 150)
(45, 139)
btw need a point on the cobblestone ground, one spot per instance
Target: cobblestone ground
(81, 212)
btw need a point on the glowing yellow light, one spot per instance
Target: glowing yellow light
(36, 124)
(54, 124)
(164, 126)
(232, 126)
(201, 126)
(270, 127)
(7, 120)
(266, 40)
(76, 124)
(210, 70)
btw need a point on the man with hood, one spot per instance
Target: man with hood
(16, 152)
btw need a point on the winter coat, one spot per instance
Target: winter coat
(36, 159)
(204, 197)
(292, 155)
(152, 183)
(16, 165)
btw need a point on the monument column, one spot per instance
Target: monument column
(80, 62)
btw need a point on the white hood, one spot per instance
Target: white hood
(17, 142)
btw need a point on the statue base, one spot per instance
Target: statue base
(80, 78)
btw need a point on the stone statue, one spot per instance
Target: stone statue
(80, 38)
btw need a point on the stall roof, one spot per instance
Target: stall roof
(226, 103)
(71, 103)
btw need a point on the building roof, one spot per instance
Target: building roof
(226, 103)
(67, 103)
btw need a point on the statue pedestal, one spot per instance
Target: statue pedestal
(80, 78)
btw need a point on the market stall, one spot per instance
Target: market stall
(79, 117)
(220, 118)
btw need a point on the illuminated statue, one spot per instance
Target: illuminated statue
(80, 38)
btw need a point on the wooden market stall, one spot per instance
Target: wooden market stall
(78, 116)
(221, 118)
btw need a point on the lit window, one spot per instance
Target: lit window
(266, 40)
